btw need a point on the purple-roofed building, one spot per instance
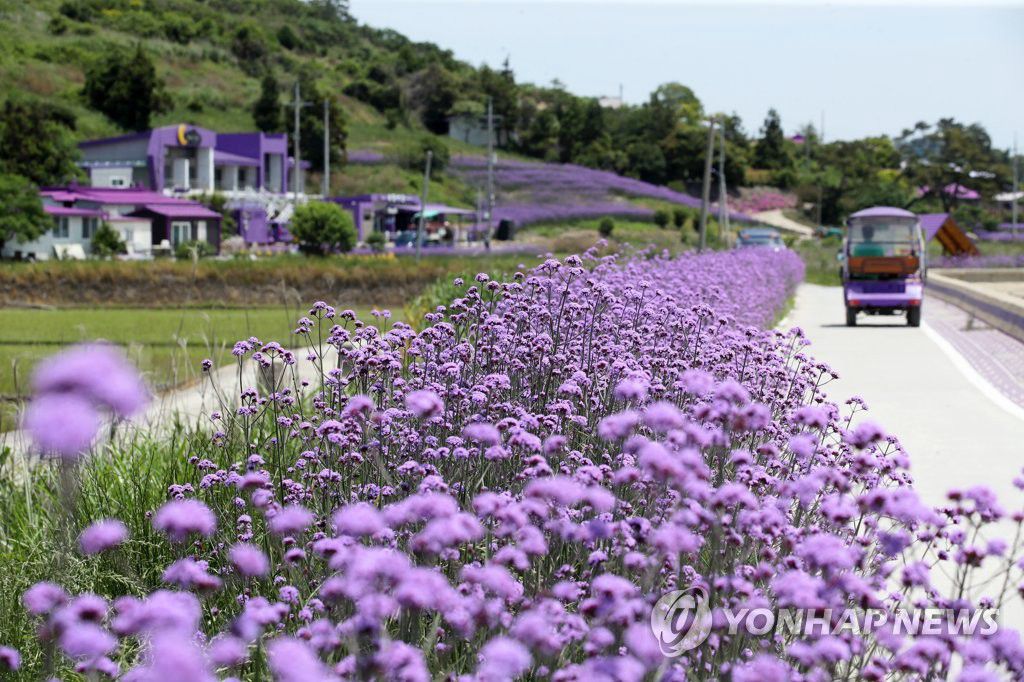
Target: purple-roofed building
(396, 216)
(186, 158)
(146, 220)
(252, 170)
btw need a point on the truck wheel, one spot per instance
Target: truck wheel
(851, 317)
(914, 316)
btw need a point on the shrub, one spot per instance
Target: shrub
(377, 241)
(194, 249)
(661, 218)
(414, 156)
(106, 242)
(287, 37)
(606, 227)
(678, 218)
(321, 227)
(251, 48)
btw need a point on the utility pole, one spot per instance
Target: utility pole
(423, 204)
(327, 149)
(297, 154)
(723, 209)
(705, 197)
(490, 171)
(1013, 201)
(479, 208)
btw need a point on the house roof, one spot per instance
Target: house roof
(222, 158)
(883, 212)
(72, 211)
(442, 209)
(183, 209)
(107, 195)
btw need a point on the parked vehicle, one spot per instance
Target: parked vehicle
(765, 237)
(884, 265)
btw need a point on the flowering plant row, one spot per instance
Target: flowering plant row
(508, 492)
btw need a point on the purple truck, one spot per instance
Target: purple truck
(884, 264)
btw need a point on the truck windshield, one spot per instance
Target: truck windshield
(882, 238)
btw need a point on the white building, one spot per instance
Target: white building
(72, 231)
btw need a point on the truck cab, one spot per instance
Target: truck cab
(883, 264)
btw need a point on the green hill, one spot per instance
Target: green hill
(211, 55)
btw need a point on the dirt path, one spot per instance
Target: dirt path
(776, 218)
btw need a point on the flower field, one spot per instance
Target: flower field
(504, 494)
(533, 192)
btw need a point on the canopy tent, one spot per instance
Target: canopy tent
(943, 227)
(883, 212)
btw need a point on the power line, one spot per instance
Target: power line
(423, 204)
(705, 196)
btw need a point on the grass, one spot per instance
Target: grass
(820, 261)
(36, 533)
(168, 345)
(578, 235)
(292, 280)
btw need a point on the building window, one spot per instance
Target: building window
(89, 226)
(117, 182)
(61, 227)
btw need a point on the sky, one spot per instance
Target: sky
(871, 67)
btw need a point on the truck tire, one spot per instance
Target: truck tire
(914, 316)
(851, 317)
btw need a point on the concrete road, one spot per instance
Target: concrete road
(956, 427)
(958, 430)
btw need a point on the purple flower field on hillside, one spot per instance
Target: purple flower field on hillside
(508, 493)
(530, 192)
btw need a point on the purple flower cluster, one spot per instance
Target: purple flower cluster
(507, 493)
(71, 391)
(761, 199)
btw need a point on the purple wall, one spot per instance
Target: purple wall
(252, 145)
(255, 145)
(160, 138)
(253, 225)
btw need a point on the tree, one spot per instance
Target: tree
(681, 101)
(321, 228)
(414, 156)
(435, 92)
(606, 227)
(311, 124)
(21, 210)
(541, 138)
(106, 242)
(287, 37)
(501, 87)
(952, 153)
(36, 142)
(770, 151)
(266, 111)
(125, 87)
(251, 47)
(661, 218)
